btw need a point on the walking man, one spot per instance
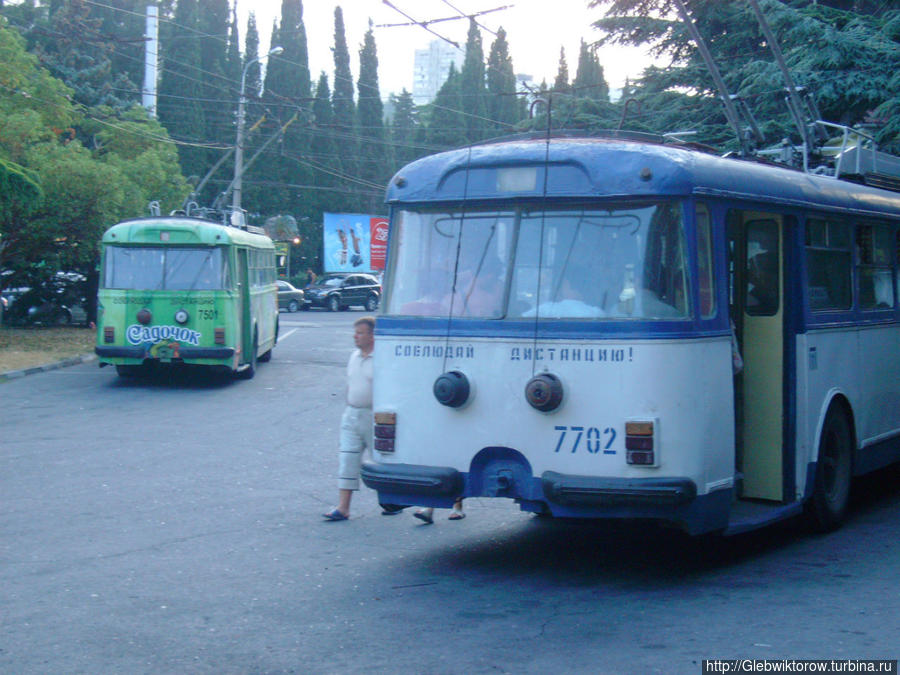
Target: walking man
(356, 422)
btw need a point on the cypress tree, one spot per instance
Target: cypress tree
(503, 104)
(472, 87)
(288, 88)
(589, 81)
(446, 124)
(404, 128)
(233, 63)
(342, 103)
(219, 93)
(376, 160)
(180, 91)
(561, 84)
(254, 199)
(213, 23)
(324, 149)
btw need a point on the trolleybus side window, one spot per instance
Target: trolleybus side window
(828, 265)
(875, 267)
(705, 263)
(897, 263)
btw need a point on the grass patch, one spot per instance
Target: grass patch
(29, 347)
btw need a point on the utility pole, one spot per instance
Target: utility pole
(239, 142)
(151, 59)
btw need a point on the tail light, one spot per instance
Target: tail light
(219, 335)
(640, 445)
(109, 334)
(385, 431)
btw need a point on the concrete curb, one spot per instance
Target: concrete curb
(71, 361)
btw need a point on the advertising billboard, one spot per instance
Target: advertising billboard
(354, 242)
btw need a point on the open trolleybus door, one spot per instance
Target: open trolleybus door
(246, 322)
(760, 311)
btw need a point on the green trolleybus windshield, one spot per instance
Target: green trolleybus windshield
(621, 262)
(165, 269)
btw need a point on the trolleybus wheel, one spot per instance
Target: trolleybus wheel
(834, 470)
(264, 358)
(248, 372)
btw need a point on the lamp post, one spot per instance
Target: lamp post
(239, 143)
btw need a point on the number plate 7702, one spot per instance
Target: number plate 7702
(591, 439)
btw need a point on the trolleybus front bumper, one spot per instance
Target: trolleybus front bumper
(410, 480)
(673, 500)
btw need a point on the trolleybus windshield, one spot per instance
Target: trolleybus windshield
(626, 261)
(170, 268)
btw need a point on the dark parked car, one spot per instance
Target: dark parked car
(339, 291)
(290, 297)
(58, 302)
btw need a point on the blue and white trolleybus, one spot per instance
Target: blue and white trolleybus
(617, 328)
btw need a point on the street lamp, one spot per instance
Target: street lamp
(239, 143)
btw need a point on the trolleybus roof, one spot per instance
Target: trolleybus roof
(595, 167)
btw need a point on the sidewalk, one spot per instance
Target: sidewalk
(71, 361)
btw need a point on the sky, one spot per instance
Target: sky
(535, 29)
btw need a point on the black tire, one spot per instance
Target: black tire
(130, 371)
(293, 306)
(334, 303)
(63, 317)
(371, 303)
(834, 471)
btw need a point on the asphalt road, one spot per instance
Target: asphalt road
(173, 525)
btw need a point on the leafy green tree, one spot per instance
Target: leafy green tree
(20, 196)
(472, 86)
(67, 194)
(850, 72)
(503, 105)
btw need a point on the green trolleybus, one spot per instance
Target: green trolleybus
(186, 290)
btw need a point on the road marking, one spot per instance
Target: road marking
(285, 335)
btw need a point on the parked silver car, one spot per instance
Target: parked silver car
(290, 297)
